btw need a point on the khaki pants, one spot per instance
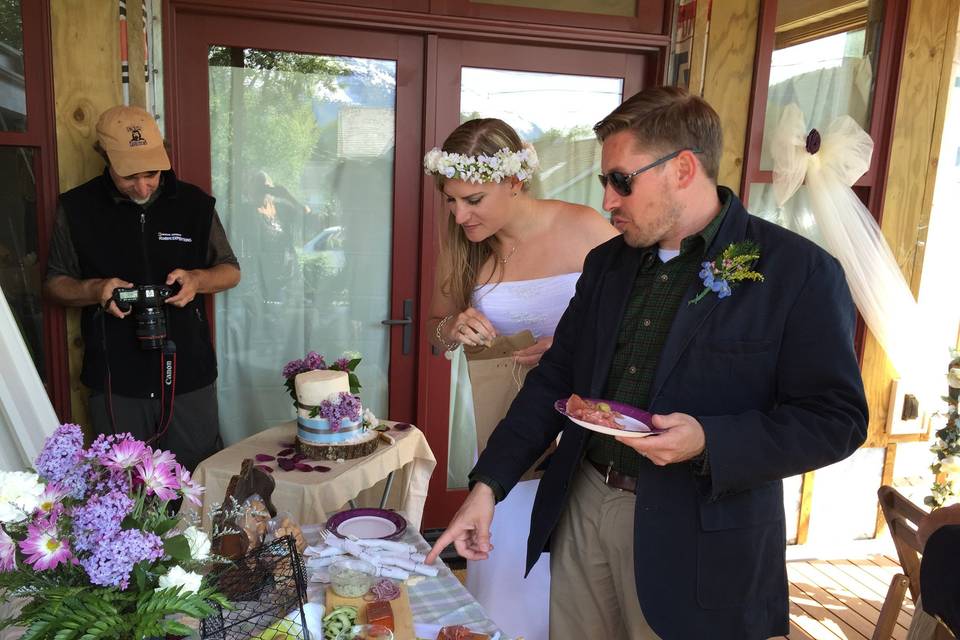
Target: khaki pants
(593, 593)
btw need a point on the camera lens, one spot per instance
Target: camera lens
(151, 327)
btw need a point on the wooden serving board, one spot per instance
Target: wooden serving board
(402, 617)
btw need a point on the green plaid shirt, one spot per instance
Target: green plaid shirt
(658, 291)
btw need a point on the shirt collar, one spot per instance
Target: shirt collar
(697, 242)
(701, 240)
(167, 187)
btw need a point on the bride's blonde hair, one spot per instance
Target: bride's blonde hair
(484, 136)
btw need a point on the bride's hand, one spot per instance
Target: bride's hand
(531, 355)
(472, 328)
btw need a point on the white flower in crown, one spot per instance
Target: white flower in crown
(483, 168)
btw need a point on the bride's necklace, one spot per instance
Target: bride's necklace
(503, 259)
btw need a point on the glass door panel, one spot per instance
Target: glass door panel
(296, 129)
(825, 65)
(553, 96)
(13, 94)
(555, 113)
(302, 164)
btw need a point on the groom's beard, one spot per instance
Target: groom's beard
(649, 231)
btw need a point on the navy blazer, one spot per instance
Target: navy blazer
(771, 374)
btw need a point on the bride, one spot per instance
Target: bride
(508, 262)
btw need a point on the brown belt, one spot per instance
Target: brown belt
(615, 479)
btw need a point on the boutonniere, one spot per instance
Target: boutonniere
(733, 265)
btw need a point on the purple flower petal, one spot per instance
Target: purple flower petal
(303, 466)
(263, 467)
(286, 464)
(402, 426)
(320, 467)
(285, 452)
(297, 457)
(264, 457)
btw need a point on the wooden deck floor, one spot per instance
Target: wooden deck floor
(831, 599)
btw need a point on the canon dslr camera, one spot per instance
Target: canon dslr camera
(147, 303)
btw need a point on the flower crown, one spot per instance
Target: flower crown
(483, 168)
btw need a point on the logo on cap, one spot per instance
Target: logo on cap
(136, 136)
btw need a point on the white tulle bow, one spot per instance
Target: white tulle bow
(852, 235)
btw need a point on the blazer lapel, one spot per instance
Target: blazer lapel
(691, 317)
(615, 288)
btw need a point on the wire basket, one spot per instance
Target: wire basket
(267, 589)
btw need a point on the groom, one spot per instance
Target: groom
(680, 535)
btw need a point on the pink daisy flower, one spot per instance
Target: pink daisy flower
(190, 490)
(44, 549)
(158, 478)
(50, 499)
(163, 457)
(8, 552)
(124, 454)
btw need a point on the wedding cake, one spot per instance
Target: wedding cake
(329, 418)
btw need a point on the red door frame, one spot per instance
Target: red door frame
(40, 137)
(188, 36)
(637, 70)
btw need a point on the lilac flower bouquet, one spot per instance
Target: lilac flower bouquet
(88, 543)
(313, 361)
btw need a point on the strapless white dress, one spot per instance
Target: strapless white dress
(520, 607)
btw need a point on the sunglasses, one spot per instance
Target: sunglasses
(621, 181)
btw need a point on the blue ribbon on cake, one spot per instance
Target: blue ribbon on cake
(317, 430)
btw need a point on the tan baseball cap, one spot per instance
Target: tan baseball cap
(132, 140)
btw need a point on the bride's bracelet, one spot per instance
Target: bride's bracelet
(449, 346)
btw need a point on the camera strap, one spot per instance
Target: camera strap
(168, 384)
(108, 390)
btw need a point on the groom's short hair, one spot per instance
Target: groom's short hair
(664, 119)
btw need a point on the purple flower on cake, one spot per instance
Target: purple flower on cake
(338, 407)
(44, 546)
(314, 361)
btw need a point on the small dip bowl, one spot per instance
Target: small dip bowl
(351, 578)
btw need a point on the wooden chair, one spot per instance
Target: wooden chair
(902, 517)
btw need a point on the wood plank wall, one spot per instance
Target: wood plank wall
(921, 106)
(86, 74)
(728, 75)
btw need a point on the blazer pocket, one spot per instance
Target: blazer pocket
(740, 548)
(738, 347)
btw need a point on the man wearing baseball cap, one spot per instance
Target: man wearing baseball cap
(138, 236)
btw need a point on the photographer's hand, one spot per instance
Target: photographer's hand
(106, 288)
(189, 282)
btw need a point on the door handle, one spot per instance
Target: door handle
(406, 322)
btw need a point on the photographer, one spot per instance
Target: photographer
(139, 236)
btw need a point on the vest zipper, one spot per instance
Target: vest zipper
(143, 247)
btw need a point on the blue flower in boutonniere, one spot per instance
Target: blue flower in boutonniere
(733, 265)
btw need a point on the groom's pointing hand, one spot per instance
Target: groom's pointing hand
(469, 531)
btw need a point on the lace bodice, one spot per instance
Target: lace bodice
(535, 304)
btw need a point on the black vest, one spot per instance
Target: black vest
(115, 237)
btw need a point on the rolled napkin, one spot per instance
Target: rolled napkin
(416, 557)
(392, 572)
(317, 562)
(386, 545)
(347, 545)
(409, 565)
